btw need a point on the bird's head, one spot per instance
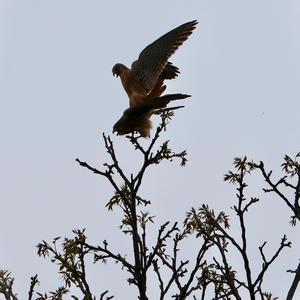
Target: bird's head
(121, 127)
(118, 69)
(116, 129)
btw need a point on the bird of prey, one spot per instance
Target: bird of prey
(137, 117)
(145, 78)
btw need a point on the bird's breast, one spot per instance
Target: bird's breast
(135, 91)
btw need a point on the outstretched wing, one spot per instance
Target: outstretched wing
(153, 59)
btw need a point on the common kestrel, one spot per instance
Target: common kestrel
(145, 78)
(137, 117)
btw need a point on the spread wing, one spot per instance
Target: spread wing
(153, 59)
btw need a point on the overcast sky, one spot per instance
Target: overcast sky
(57, 96)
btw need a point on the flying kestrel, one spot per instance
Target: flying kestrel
(145, 78)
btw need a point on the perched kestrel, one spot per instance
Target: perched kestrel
(137, 117)
(145, 78)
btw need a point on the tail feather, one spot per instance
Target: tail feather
(160, 110)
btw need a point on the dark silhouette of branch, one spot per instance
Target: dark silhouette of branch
(201, 277)
(266, 264)
(292, 169)
(33, 282)
(108, 254)
(127, 198)
(187, 289)
(107, 298)
(161, 239)
(274, 186)
(6, 285)
(71, 261)
(214, 228)
(295, 283)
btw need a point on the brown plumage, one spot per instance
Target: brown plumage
(137, 118)
(145, 78)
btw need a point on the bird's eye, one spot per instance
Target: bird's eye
(116, 70)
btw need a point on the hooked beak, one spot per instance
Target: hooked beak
(115, 131)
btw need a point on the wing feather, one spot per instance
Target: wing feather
(153, 59)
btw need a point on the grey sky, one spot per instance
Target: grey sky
(57, 96)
